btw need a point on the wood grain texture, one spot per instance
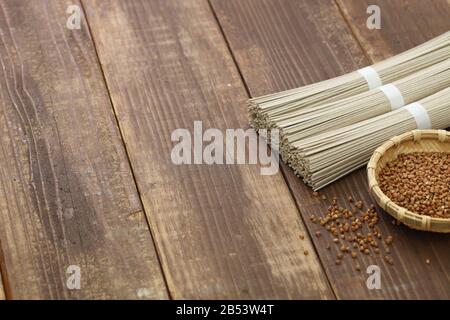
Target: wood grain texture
(67, 196)
(2, 290)
(3, 276)
(285, 44)
(404, 24)
(222, 231)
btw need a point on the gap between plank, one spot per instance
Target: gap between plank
(126, 150)
(352, 32)
(291, 192)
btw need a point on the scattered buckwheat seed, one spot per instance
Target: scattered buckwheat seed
(354, 230)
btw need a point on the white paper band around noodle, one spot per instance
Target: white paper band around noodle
(420, 115)
(371, 76)
(394, 95)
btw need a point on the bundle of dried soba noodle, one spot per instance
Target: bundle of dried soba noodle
(324, 158)
(362, 106)
(266, 111)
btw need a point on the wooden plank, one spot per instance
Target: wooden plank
(2, 292)
(3, 276)
(299, 42)
(67, 196)
(223, 231)
(404, 24)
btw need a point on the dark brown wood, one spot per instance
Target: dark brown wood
(67, 196)
(284, 44)
(404, 24)
(222, 231)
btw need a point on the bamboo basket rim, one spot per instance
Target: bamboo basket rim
(409, 218)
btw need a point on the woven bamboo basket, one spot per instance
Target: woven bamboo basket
(413, 141)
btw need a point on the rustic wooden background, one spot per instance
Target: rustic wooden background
(85, 172)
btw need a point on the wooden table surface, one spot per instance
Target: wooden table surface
(86, 177)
